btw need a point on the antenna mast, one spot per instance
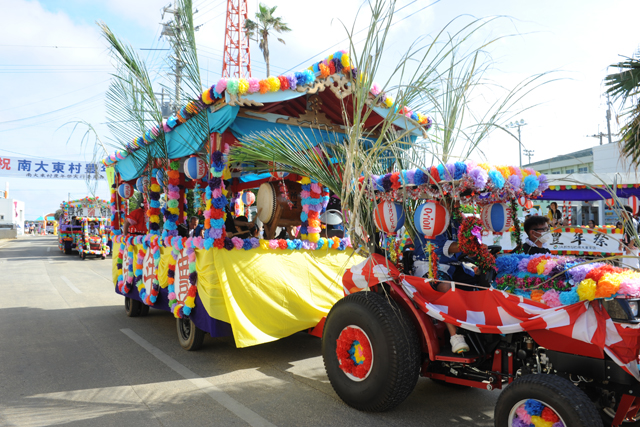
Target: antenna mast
(236, 61)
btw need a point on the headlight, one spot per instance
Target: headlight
(633, 305)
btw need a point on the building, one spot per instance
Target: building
(11, 217)
(602, 160)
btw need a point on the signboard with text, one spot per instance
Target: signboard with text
(24, 167)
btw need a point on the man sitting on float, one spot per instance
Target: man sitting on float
(450, 268)
(538, 236)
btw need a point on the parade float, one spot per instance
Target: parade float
(75, 223)
(557, 332)
(257, 289)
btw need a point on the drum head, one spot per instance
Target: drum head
(266, 202)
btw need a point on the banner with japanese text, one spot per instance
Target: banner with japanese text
(30, 167)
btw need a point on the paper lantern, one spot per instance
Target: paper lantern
(279, 175)
(125, 190)
(431, 219)
(524, 202)
(248, 198)
(496, 217)
(160, 176)
(389, 217)
(142, 184)
(195, 168)
(610, 202)
(634, 202)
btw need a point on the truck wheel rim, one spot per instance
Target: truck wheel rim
(185, 328)
(533, 412)
(355, 353)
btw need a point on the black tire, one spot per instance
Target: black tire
(395, 347)
(189, 335)
(132, 307)
(569, 402)
(144, 310)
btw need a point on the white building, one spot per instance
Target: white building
(602, 160)
(12, 215)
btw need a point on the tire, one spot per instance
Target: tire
(189, 335)
(392, 372)
(569, 403)
(132, 307)
(144, 310)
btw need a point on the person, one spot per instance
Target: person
(565, 222)
(449, 269)
(538, 236)
(554, 215)
(240, 226)
(591, 224)
(629, 238)
(135, 222)
(195, 230)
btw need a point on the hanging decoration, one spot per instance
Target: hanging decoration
(248, 198)
(125, 190)
(195, 167)
(634, 202)
(153, 213)
(431, 219)
(497, 217)
(389, 217)
(172, 210)
(142, 184)
(470, 243)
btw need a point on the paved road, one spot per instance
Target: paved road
(69, 356)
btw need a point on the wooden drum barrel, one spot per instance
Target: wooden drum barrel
(273, 209)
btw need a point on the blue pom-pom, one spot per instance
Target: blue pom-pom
(569, 297)
(208, 243)
(530, 184)
(533, 407)
(419, 177)
(496, 178)
(186, 310)
(461, 169)
(442, 171)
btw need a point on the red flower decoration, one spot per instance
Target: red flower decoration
(549, 415)
(344, 343)
(469, 245)
(282, 244)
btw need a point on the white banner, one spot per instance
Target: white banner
(29, 167)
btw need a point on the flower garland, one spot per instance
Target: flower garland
(433, 261)
(151, 297)
(215, 215)
(354, 352)
(563, 280)
(516, 236)
(314, 202)
(121, 283)
(115, 225)
(172, 210)
(470, 243)
(533, 412)
(153, 213)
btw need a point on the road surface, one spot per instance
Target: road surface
(69, 356)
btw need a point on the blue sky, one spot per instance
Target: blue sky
(42, 88)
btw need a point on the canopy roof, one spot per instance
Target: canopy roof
(582, 186)
(312, 102)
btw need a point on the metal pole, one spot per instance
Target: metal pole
(178, 62)
(609, 119)
(519, 147)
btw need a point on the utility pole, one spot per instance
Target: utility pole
(529, 154)
(171, 30)
(598, 135)
(608, 119)
(518, 124)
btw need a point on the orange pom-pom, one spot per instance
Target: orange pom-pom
(264, 86)
(536, 295)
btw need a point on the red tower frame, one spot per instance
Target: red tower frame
(236, 61)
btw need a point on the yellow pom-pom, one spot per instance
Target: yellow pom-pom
(305, 180)
(206, 97)
(330, 57)
(274, 84)
(190, 302)
(154, 218)
(345, 60)
(175, 211)
(314, 237)
(388, 102)
(587, 290)
(264, 244)
(243, 86)
(155, 188)
(540, 267)
(540, 422)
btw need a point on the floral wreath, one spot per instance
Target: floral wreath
(470, 243)
(354, 352)
(536, 413)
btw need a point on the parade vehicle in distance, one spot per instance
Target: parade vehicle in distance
(93, 238)
(559, 334)
(75, 213)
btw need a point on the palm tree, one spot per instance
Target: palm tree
(265, 22)
(625, 86)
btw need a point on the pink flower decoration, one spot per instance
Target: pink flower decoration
(375, 89)
(221, 85)
(523, 414)
(237, 242)
(552, 298)
(254, 85)
(273, 244)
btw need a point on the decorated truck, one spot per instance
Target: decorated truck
(232, 278)
(72, 233)
(558, 333)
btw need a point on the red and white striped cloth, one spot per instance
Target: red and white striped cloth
(497, 312)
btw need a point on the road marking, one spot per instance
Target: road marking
(214, 392)
(68, 282)
(49, 249)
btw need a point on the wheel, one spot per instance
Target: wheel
(371, 352)
(132, 307)
(550, 397)
(189, 335)
(103, 257)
